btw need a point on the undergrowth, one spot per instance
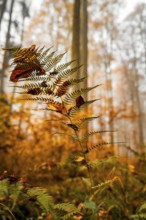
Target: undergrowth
(41, 77)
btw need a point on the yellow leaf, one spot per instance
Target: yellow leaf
(79, 159)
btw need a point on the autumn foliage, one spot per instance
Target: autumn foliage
(82, 174)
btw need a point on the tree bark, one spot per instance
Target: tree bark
(76, 33)
(84, 43)
(3, 8)
(5, 61)
(140, 115)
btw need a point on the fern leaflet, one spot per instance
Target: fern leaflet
(70, 97)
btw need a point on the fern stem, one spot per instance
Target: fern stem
(8, 210)
(82, 148)
(85, 157)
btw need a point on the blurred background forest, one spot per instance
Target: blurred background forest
(109, 38)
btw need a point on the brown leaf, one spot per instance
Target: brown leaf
(34, 91)
(18, 74)
(21, 72)
(54, 72)
(79, 101)
(44, 84)
(73, 126)
(48, 91)
(61, 90)
(26, 55)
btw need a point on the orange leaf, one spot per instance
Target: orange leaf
(57, 107)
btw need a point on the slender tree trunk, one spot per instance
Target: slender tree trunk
(109, 91)
(5, 61)
(76, 33)
(14, 88)
(108, 77)
(3, 8)
(140, 116)
(84, 52)
(84, 42)
(80, 43)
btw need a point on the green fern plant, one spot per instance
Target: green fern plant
(141, 213)
(67, 210)
(21, 201)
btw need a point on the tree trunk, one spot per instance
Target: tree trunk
(84, 54)
(5, 61)
(109, 94)
(137, 93)
(76, 33)
(3, 8)
(84, 42)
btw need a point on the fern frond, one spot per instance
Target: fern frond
(43, 53)
(39, 50)
(70, 215)
(63, 66)
(70, 97)
(72, 82)
(81, 121)
(101, 144)
(32, 91)
(103, 186)
(13, 189)
(30, 85)
(142, 207)
(138, 216)
(66, 207)
(75, 110)
(69, 208)
(42, 99)
(44, 200)
(52, 102)
(24, 66)
(103, 163)
(48, 58)
(36, 78)
(37, 89)
(89, 102)
(93, 133)
(76, 81)
(63, 88)
(66, 73)
(4, 187)
(51, 63)
(106, 183)
(69, 82)
(26, 55)
(15, 192)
